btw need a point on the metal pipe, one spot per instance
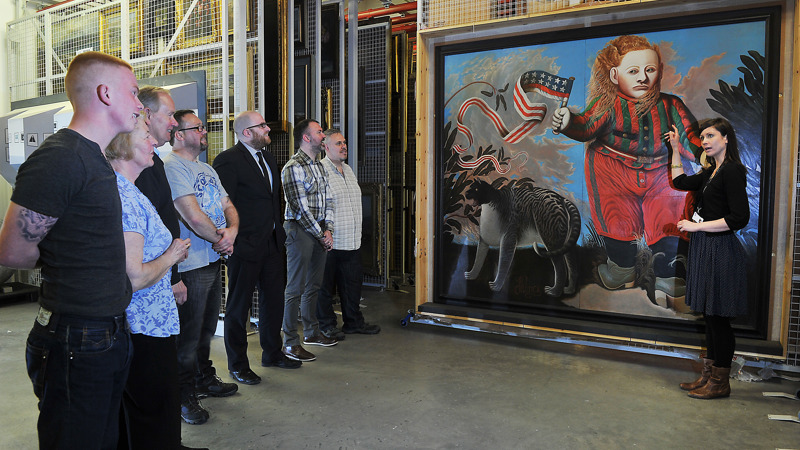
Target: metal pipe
(378, 12)
(396, 20)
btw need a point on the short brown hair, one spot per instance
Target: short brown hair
(81, 68)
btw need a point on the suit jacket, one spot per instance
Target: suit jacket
(259, 207)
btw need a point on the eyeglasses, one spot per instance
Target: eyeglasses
(261, 125)
(199, 128)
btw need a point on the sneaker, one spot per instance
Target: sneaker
(192, 411)
(365, 329)
(333, 333)
(321, 340)
(298, 353)
(215, 387)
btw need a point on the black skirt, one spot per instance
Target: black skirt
(716, 278)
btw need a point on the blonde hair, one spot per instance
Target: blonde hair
(121, 147)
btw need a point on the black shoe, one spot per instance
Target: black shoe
(216, 388)
(282, 362)
(245, 376)
(183, 447)
(365, 329)
(192, 411)
(333, 333)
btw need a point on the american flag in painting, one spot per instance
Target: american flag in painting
(538, 81)
(547, 84)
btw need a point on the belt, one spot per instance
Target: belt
(50, 320)
(638, 159)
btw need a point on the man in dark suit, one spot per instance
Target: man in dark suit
(250, 175)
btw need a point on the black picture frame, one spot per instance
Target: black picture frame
(449, 203)
(300, 21)
(276, 69)
(302, 85)
(330, 41)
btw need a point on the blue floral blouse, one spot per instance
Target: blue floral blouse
(152, 311)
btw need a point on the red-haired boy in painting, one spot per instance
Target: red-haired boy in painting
(627, 161)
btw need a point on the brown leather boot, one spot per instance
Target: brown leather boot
(704, 376)
(718, 385)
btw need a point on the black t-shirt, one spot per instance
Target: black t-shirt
(83, 255)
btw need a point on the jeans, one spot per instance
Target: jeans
(199, 317)
(78, 367)
(305, 265)
(343, 272)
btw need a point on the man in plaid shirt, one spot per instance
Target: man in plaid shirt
(343, 266)
(309, 235)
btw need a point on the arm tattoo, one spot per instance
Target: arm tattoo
(34, 226)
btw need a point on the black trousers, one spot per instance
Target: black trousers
(343, 272)
(150, 417)
(269, 275)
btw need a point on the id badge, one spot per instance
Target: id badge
(696, 218)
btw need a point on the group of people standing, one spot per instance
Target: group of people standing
(131, 248)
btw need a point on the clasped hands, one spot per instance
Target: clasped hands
(327, 240)
(224, 246)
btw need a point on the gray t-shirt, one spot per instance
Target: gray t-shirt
(199, 179)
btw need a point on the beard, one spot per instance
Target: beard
(261, 141)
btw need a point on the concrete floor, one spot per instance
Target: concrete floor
(431, 387)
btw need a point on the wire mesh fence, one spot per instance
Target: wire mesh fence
(448, 13)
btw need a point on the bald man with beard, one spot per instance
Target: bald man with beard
(250, 174)
(65, 216)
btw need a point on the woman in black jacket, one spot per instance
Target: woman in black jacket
(716, 281)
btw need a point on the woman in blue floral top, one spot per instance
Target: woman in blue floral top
(151, 409)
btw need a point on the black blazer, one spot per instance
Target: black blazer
(259, 207)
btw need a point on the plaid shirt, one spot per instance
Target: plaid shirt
(347, 215)
(308, 200)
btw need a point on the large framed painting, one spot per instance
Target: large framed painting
(111, 29)
(554, 196)
(202, 26)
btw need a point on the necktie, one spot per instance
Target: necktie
(264, 169)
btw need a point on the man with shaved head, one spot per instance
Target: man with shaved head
(65, 216)
(249, 173)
